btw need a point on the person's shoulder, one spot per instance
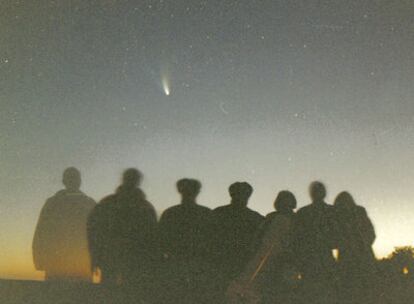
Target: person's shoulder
(106, 201)
(90, 200)
(270, 216)
(173, 208)
(146, 205)
(87, 200)
(255, 214)
(104, 207)
(330, 209)
(361, 210)
(170, 211)
(86, 197)
(140, 208)
(221, 209)
(57, 196)
(108, 198)
(89, 204)
(304, 209)
(204, 209)
(50, 201)
(54, 200)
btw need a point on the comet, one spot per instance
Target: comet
(165, 85)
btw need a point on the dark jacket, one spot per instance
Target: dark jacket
(121, 231)
(233, 234)
(183, 231)
(356, 235)
(315, 238)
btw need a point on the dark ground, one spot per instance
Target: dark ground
(33, 292)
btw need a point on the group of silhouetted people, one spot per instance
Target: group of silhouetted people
(193, 254)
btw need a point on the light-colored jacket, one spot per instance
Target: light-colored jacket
(60, 246)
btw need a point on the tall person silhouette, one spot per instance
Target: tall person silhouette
(121, 231)
(183, 234)
(235, 227)
(315, 241)
(60, 246)
(183, 228)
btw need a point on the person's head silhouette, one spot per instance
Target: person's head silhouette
(189, 189)
(344, 201)
(131, 178)
(240, 193)
(285, 202)
(71, 179)
(317, 191)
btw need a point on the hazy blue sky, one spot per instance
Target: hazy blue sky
(277, 93)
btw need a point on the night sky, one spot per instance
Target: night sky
(276, 93)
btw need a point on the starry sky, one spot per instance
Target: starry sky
(276, 93)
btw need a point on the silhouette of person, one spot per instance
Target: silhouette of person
(235, 227)
(271, 274)
(183, 235)
(183, 228)
(60, 246)
(315, 241)
(356, 235)
(281, 263)
(121, 231)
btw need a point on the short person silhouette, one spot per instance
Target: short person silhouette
(271, 274)
(356, 259)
